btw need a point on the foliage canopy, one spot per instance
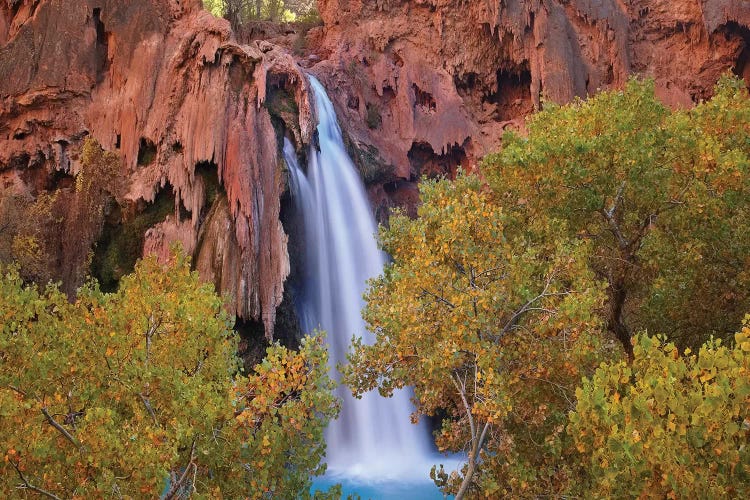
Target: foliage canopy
(137, 393)
(662, 196)
(241, 11)
(614, 215)
(491, 322)
(668, 424)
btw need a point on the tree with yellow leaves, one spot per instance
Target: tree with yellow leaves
(492, 322)
(613, 214)
(669, 425)
(662, 196)
(138, 394)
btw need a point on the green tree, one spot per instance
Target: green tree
(285, 404)
(662, 196)
(137, 394)
(238, 12)
(615, 214)
(668, 426)
(490, 319)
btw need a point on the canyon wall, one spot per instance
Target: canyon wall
(164, 85)
(429, 84)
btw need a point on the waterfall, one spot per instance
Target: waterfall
(373, 437)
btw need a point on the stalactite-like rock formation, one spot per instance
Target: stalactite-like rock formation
(433, 83)
(165, 85)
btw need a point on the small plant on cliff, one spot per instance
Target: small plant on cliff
(137, 394)
(32, 230)
(239, 12)
(668, 426)
(52, 236)
(98, 185)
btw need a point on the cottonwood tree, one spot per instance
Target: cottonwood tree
(662, 196)
(491, 320)
(681, 429)
(615, 214)
(137, 394)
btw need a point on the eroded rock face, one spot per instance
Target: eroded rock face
(435, 82)
(165, 85)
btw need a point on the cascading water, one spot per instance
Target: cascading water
(373, 437)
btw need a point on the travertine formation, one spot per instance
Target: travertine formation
(433, 83)
(165, 85)
(420, 86)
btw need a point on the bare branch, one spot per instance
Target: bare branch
(150, 333)
(614, 228)
(177, 485)
(563, 390)
(17, 390)
(147, 404)
(527, 306)
(467, 408)
(480, 443)
(438, 298)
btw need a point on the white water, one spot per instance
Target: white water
(373, 438)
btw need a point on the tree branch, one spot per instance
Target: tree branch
(172, 493)
(480, 443)
(513, 321)
(614, 228)
(28, 486)
(147, 404)
(60, 428)
(438, 298)
(467, 408)
(17, 390)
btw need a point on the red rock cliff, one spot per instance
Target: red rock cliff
(432, 83)
(165, 85)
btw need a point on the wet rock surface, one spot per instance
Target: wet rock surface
(434, 83)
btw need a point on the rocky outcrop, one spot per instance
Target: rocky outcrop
(430, 84)
(166, 86)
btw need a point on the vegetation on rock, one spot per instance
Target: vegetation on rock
(50, 236)
(241, 11)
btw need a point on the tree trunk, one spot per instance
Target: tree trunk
(615, 322)
(467, 478)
